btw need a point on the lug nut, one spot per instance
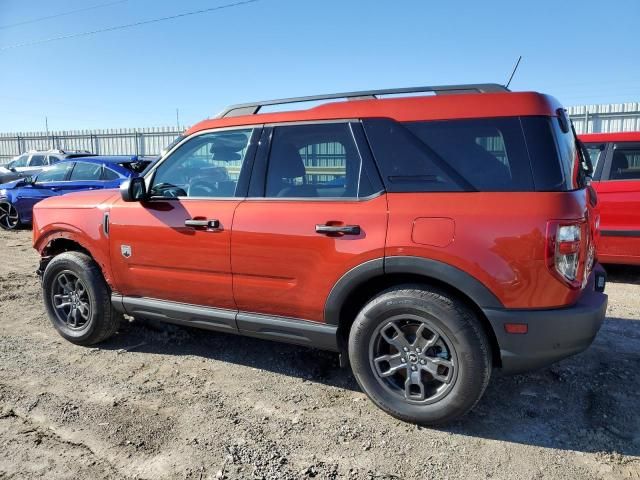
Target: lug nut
(413, 367)
(404, 360)
(417, 350)
(406, 349)
(422, 362)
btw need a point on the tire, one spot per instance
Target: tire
(75, 280)
(9, 216)
(438, 384)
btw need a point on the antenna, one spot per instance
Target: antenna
(513, 72)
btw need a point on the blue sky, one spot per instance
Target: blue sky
(579, 51)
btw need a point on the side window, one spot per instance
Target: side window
(53, 159)
(37, 161)
(20, 161)
(595, 152)
(625, 163)
(317, 160)
(86, 171)
(56, 173)
(206, 165)
(456, 155)
(108, 174)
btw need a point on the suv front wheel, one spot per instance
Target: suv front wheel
(78, 299)
(420, 354)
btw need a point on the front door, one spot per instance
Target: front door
(316, 212)
(176, 245)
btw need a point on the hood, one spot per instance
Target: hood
(86, 199)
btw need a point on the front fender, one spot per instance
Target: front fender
(93, 241)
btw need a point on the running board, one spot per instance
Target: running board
(268, 327)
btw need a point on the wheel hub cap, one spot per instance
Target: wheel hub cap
(70, 299)
(413, 359)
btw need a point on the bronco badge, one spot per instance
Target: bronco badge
(125, 250)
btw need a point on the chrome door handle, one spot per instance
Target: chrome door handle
(208, 224)
(338, 229)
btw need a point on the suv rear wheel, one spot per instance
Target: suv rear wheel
(78, 300)
(420, 354)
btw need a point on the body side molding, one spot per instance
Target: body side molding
(179, 313)
(289, 330)
(620, 233)
(269, 327)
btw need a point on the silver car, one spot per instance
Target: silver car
(33, 161)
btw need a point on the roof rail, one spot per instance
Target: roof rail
(254, 107)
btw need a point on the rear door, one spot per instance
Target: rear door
(85, 176)
(619, 199)
(36, 163)
(315, 211)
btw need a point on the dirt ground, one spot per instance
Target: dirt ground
(160, 402)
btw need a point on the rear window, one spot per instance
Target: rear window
(488, 154)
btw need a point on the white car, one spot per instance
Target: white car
(32, 162)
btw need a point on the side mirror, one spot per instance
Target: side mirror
(12, 169)
(133, 190)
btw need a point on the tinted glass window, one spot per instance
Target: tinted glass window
(37, 161)
(109, 174)
(20, 161)
(457, 155)
(86, 171)
(625, 163)
(548, 174)
(595, 153)
(56, 173)
(207, 165)
(569, 160)
(52, 159)
(319, 160)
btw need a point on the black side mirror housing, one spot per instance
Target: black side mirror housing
(133, 190)
(12, 169)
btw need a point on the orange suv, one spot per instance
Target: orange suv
(427, 239)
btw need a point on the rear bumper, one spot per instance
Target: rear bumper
(552, 334)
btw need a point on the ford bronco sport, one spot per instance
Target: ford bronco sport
(428, 239)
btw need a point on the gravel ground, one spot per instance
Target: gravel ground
(160, 402)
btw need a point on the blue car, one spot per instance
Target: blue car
(17, 198)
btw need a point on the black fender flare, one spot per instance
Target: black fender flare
(440, 271)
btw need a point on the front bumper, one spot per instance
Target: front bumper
(552, 334)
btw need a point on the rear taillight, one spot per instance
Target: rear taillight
(566, 251)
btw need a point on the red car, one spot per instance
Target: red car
(616, 179)
(427, 239)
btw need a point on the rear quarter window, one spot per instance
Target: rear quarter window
(454, 155)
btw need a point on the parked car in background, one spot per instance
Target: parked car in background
(428, 239)
(33, 161)
(616, 179)
(18, 197)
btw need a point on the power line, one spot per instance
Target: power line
(128, 25)
(70, 12)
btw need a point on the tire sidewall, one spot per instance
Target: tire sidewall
(461, 334)
(69, 262)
